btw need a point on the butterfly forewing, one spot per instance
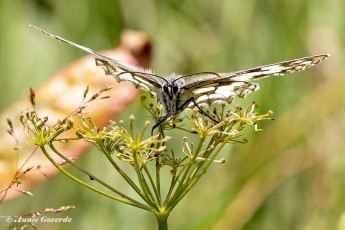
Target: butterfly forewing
(139, 77)
(279, 68)
(224, 87)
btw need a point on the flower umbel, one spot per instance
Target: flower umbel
(148, 154)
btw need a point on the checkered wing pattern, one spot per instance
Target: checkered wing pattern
(224, 87)
(139, 77)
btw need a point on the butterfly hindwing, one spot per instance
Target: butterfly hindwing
(222, 93)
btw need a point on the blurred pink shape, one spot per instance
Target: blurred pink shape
(58, 97)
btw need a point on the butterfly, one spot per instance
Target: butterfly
(176, 92)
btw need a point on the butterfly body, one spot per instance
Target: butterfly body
(172, 95)
(177, 92)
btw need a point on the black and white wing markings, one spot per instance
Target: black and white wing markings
(280, 68)
(139, 77)
(176, 92)
(224, 87)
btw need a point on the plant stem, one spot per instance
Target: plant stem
(162, 219)
(89, 186)
(123, 174)
(152, 183)
(147, 195)
(52, 147)
(182, 185)
(195, 179)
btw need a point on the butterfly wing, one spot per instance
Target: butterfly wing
(139, 77)
(224, 87)
(134, 75)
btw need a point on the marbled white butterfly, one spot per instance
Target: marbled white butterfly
(177, 92)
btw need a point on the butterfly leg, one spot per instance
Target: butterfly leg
(182, 107)
(161, 120)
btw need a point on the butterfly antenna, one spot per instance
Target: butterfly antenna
(194, 74)
(149, 74)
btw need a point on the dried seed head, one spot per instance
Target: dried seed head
(26, 193)
(162, 148)
(86, 91)
(32, 96)
(9, 122)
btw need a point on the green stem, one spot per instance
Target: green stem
(92, 176)
(194, 180)
(122, 173)
(162, 219)
(181, 187)
(146, 192)
(87, 185)
(172, 186)
(147, 188)
(158, 167)
(206, 155)
(152, 184)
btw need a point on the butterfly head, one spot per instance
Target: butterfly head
(170, 90)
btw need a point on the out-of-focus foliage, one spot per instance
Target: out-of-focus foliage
(290, 176)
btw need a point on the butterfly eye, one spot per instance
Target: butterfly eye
(166, 89)
(175, 89)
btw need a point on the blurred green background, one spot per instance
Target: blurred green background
(289, 176)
